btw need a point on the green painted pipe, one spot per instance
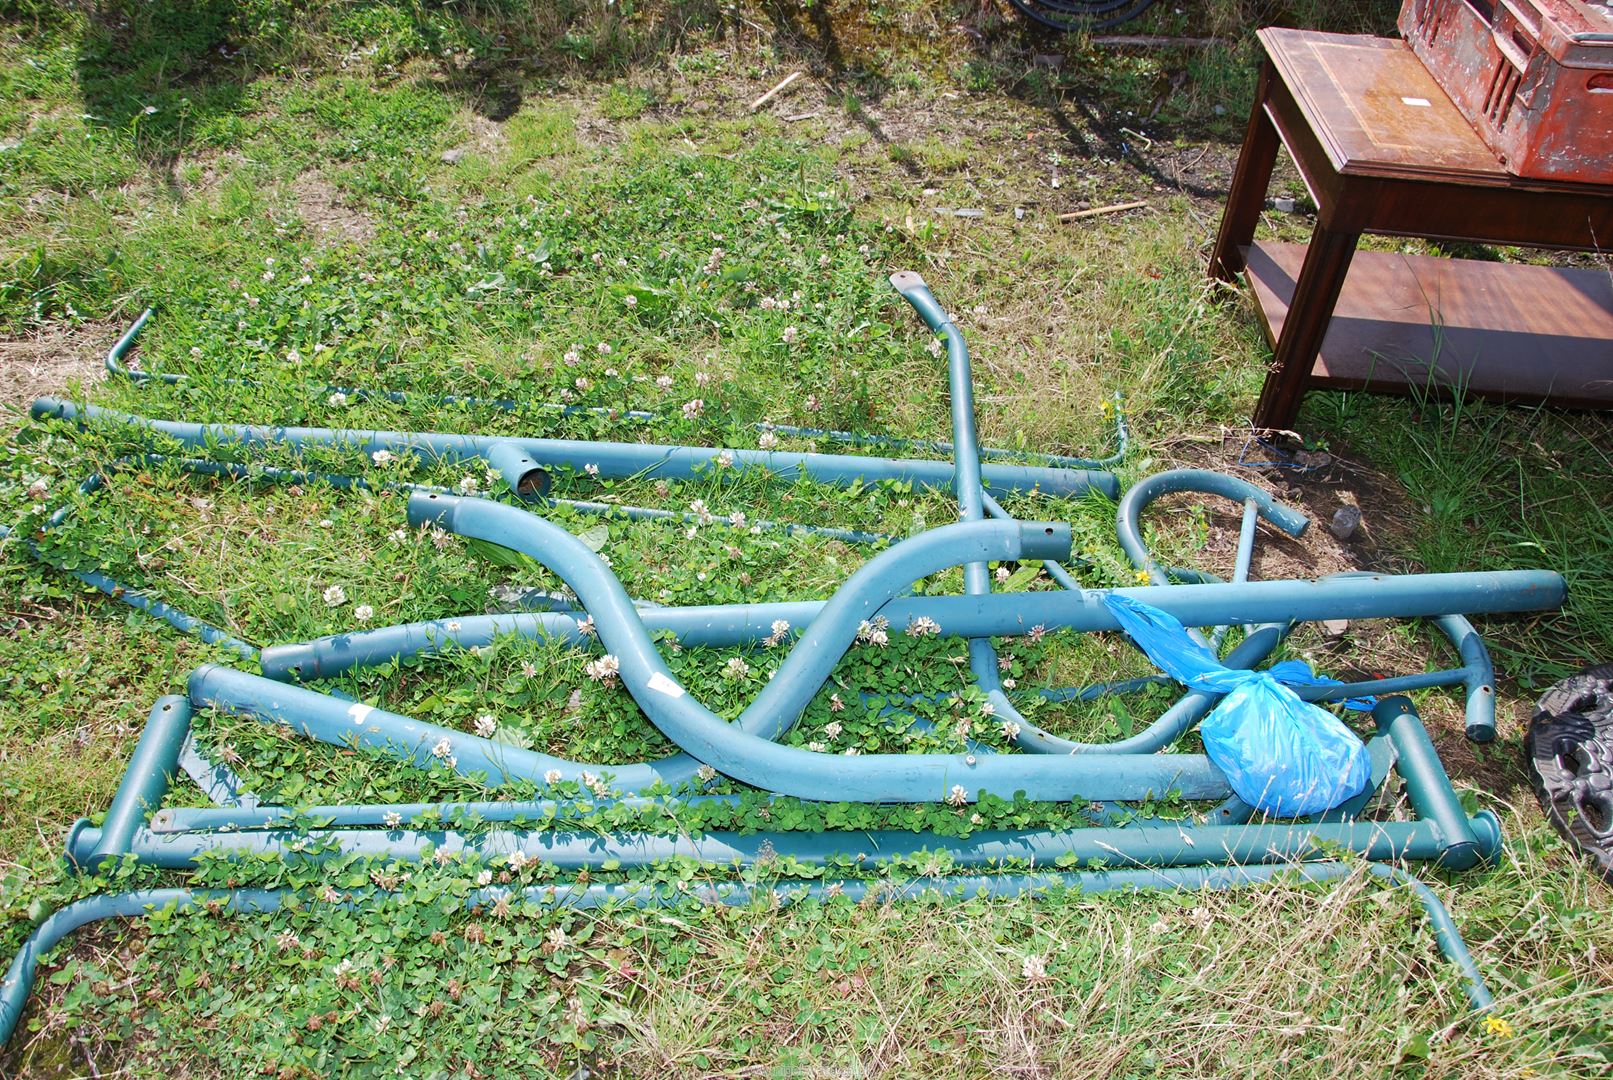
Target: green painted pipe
(1185, 845)
(19, 978)
(1429, 788)
(150, 771)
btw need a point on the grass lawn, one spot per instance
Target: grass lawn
(573, 201)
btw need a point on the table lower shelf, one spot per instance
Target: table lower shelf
(1414, 322)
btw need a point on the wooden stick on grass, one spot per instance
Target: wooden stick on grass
(765, 98)
(1116, 208)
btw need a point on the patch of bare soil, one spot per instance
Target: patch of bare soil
(49, 360)
(323, 210)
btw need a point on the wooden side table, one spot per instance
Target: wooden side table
(1382, 150)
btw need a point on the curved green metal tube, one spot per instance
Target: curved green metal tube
(745, 754)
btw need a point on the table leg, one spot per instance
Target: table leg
(1327, 260)
(1249, 183)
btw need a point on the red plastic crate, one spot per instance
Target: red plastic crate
(1533, 77)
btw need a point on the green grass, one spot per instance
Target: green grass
(289, 210)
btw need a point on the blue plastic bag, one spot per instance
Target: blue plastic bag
(1282, 755)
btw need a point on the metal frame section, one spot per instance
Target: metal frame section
(1222, 848)
(118, 367)
(18, 980)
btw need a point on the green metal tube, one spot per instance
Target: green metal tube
(19, 978)
(151, 770)
(1186, 845)
(1429, 788)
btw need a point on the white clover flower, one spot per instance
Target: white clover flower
(737, 519)
(958, 796)
(1009, 684)
(1003, 573)
(364, 613)
(1034, 968)
(572, 357)
(790, 334)
(453, 626)
(873, 633)
(39, 488)
(736, 668)
(987, 709)
(596, 784)
(326, 523)
(586, 626)
(663, 382)
(529, 669)
(392, 819)
(518, 859)
(343, 968)
(852, 751)
(604, 670)
(923, 626)
(467, 485)
(335, 596)
(486, 724)
(149, 110)
(781, 627)
(768, 303)
(293, 356)
(443, 748)
(705, 774)
(725, 459)
(699, 509)
(337, 400)
(702, 378)
(551, 777)
(383, 457)
(832, 729)
(1010, 730)
(630, 300)
(591, 469)
(485, 878)
(816, 747)
(835, 704)
(604, 348)
(196, 350)
(287, 940)
(693, 408)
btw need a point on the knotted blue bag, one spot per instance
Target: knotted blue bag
(1282, 755)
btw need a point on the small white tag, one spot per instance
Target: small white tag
(663, 685)
(1417, 102)
(358, 711)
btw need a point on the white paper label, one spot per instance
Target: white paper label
(663, 685)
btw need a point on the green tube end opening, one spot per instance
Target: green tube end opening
(76, 852)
